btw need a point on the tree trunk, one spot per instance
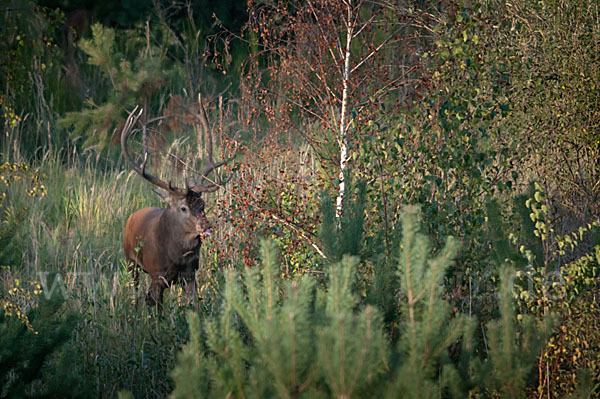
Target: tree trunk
(343, 138)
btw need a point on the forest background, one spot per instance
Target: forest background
(411, 207)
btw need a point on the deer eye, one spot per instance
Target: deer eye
(184, 209)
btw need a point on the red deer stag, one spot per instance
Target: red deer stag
(165, 242)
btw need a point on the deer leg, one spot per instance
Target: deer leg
(133, 269)
(191, 290)
(155, 293)
(187, 277)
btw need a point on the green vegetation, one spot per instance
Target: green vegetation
(35, 359)
(419, 222)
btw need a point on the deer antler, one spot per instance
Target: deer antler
(134, 116)
(209, 162)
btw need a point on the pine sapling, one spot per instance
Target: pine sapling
(429, 327)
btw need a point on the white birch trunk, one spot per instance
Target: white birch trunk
(343, 138)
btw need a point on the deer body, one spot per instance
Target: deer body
(165, 245)
(165, 242)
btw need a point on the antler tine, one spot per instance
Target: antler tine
(209, 162)
(134, 116)
(212, 186)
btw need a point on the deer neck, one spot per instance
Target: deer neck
(175, 237)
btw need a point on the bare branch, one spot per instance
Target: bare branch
(372, 53)
(319, 24)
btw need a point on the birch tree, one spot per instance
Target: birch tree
(321, 69)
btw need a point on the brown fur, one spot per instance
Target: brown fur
(165, 242)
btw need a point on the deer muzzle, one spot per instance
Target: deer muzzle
(203, 227)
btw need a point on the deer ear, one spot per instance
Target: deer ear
(163, 194)
(191, 183)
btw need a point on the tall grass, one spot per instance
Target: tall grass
(70, 241)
